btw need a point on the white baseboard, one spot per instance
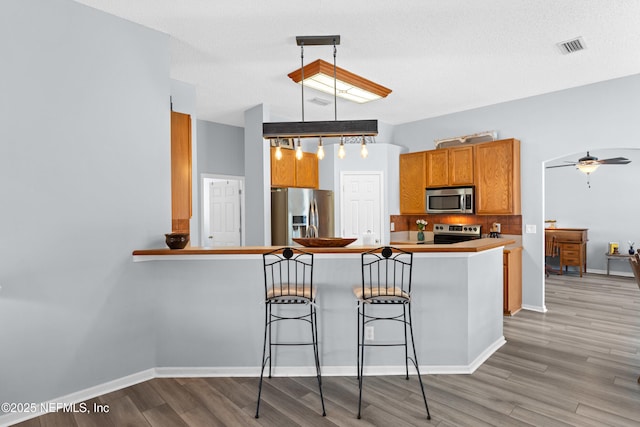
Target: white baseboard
(540, 309)
(78, 396)
(233, 371)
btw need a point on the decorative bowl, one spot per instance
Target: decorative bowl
(177, 240)
(324, 242)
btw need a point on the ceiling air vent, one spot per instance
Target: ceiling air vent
(320, 101)
(571, 46)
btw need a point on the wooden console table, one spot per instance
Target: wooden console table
(616, 256)
(572, 245)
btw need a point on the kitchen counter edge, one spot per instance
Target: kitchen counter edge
(478, 245)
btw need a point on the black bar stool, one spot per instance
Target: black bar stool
(386, 281)
(288, 279)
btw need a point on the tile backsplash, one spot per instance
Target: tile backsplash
(510, 224)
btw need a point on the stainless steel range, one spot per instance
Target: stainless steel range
(454, 233)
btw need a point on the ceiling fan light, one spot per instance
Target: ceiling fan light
(587, 168)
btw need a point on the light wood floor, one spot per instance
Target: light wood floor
(577, 365)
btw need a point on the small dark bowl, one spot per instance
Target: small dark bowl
(177, 240)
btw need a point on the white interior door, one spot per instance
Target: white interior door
(224, 213)
(361, 202)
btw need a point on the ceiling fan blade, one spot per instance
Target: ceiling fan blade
(614, 161)
(560, 166)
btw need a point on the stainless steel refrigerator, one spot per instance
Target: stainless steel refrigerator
(300, 212)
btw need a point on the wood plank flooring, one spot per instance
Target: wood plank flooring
(576, 365)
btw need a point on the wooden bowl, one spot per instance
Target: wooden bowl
(324, 242)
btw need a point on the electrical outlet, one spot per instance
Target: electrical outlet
(368, 333)
(531, 228)
(393, 226)
(498, 227)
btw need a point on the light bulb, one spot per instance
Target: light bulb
(363, 151)
(299, 153)
(341, 151)
(278, 153)
(320, 153)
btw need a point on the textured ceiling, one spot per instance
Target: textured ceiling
(437, 56)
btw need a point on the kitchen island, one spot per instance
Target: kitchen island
(211, 299)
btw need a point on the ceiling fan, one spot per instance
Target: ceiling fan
(589, 163)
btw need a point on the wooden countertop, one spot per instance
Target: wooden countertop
(478, 245)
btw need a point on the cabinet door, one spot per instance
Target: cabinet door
(180, 172)
(461, 165)
(412, 176)
(497, 172)
(283, 171)
(512, 274)
(437, 164)
(307, 171)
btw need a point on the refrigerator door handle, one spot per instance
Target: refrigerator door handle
(312, 229)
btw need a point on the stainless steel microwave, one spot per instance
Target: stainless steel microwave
(450, 200)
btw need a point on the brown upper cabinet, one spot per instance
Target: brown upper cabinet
(449, 167)
(180, 172)
(497, 177)
(492, 167)
(412, 182)
(307, 171)
(291, 172)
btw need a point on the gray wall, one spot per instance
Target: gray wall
(220, 149)
(597, 116)
(85, 163)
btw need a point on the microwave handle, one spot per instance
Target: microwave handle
(463, 202)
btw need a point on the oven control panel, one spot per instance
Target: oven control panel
(457, 229)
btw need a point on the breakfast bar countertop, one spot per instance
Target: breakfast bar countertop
(457, 302)
(477, 245)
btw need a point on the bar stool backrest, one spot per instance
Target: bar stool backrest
(288, 276)
(386, 276)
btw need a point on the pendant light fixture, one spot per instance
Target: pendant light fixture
(319, 75)
(278, 152)
(318, 129)
(363, 148)
(299, 150)
(341, 151)
(320, 152)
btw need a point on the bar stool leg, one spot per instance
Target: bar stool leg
(316, 353)
(267, 327)
(406, 349)
(415, 361)
(361, 318)
(358, 341)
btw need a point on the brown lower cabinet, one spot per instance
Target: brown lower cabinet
(512, 281)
